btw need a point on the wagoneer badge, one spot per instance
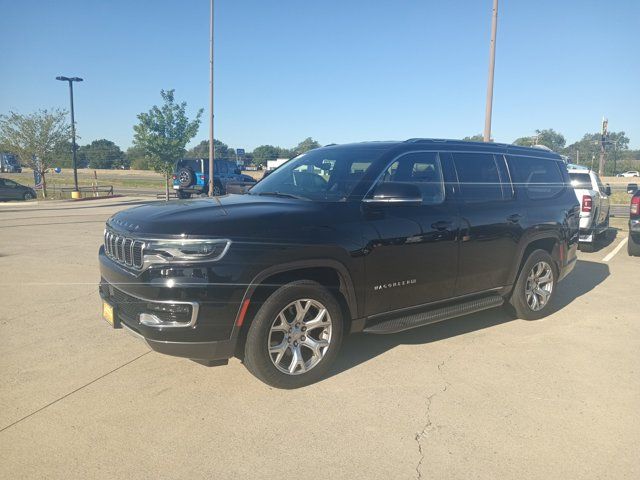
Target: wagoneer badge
(403, 283)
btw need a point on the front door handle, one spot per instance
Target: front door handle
(441, 225)
(515, 218)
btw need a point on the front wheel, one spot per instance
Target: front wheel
(295, 336)
(534, 290)
(28, 196)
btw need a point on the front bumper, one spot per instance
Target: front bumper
(197, 350)
(195, 307)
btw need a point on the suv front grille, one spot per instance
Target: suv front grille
(126, 251)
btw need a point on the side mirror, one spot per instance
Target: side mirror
(632, 188)
(396, 193)
(607, 190)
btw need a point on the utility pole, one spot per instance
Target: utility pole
(492, 64)
(211, 146)
(603, 141)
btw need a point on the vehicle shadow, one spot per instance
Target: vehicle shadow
(360, 348)
(604, 241)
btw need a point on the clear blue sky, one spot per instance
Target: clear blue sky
(337, 70)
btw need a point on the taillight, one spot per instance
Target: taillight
(635, 205)
(202, 177)
(174, 177)
(587, 202)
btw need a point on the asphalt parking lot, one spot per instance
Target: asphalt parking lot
(483, 396)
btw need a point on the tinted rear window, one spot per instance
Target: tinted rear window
(540, 178)
(479, 177)
(580, 180)
(193, 164)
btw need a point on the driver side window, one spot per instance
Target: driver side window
(424, 170)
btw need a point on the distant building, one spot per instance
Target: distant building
(273, 164)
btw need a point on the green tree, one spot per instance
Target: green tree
(478, 137)
(305, 145)
(263, 153)
(163, 133)
(548, 137)
(34, 137)
(103, 154)
(62, 156)
(222, 151)
(587, 151)
(137, 158)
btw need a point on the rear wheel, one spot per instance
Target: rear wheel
(183, 195)
(217, 189)
(534, 290)
(28, 196)
(295, 336)
(633, 247)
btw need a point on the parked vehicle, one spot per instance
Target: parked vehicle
(633, 245)
(9, 163)
(377, 237)
(629, 174)
(192, 178)
(595, 205)
(10, 190)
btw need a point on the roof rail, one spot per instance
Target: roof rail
(435, 140)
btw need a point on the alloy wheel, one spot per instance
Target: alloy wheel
(539, 286)
(300, 336)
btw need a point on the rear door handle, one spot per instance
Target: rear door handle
(441, 225)
(515, 218)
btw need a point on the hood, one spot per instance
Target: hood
(228, 216)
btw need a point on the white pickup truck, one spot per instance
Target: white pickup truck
(594, 204)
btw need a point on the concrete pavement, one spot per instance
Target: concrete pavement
(482, 396)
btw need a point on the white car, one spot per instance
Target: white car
(594, 205)
(630, 173)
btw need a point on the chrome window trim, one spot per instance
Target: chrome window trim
(368, 199)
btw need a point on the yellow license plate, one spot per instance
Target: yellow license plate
(107, 312)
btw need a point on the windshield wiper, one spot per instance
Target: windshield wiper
(282, 194)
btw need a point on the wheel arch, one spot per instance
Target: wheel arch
(329, 273)
(548, 242)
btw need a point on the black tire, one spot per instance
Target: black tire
(257, 358)
(633, 247)
(183, 195)
(28, 196)
(186, 177)
(518, 301)
(217, 189)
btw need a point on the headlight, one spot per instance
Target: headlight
(185, 250)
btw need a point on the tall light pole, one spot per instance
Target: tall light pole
(74, 147)
(492, 64)
(211, 146)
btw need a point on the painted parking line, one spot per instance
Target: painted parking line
(615, 250)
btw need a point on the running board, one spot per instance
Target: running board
(408, 322)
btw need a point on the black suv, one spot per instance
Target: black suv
(191, 177)
(377, 237)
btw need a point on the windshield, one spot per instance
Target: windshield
(580, 180)
(327, 174)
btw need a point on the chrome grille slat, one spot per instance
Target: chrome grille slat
(124, 250)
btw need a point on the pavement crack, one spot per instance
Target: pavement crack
(423, 433)
(428, 425)
(74, 391)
